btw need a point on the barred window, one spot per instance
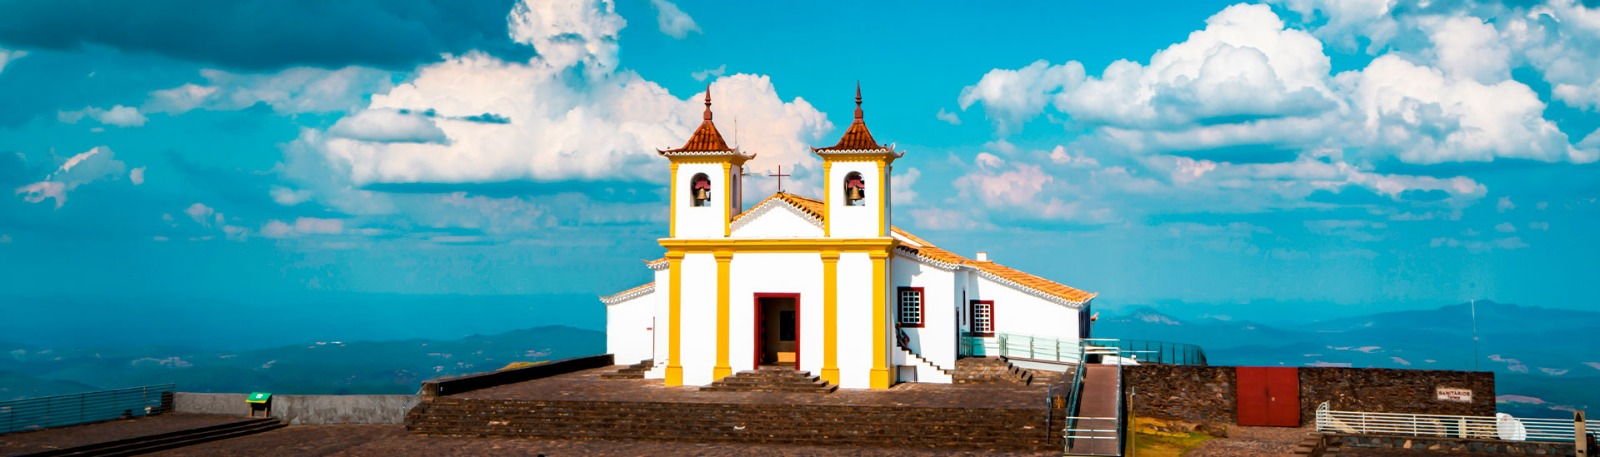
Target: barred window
(910, 306)
(983, 317)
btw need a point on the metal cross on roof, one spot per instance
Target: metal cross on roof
(780, 177)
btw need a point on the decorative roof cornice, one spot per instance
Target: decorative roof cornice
(913, 254)
(1029, 290)
(629, 294)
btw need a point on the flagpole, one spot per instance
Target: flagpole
(1474, 306)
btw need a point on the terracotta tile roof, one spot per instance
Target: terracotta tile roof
(1033, 282)
(705, 139)
(927, 249)
(857, 137)
(807, 205)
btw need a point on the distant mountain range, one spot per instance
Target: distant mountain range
(1545, 360)
(315, 367)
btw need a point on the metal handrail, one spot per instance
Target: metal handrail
(1151, 351)
(1365, 423)
(71, 409)
(1069, 431)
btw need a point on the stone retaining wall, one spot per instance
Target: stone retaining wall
(1207, 393)
(1382, 390)
(306, 409)
(1350, 444)
(1198, 394)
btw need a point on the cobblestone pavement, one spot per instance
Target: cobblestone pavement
(392, 440)
(588, 385)
(79, 435)
(1253, 441)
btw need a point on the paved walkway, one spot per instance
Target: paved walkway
(1098, 399)
(363, 440)
(587, 385)
(100, 432)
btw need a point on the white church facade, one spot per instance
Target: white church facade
(825, 285)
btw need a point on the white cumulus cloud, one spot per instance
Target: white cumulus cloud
(302, 226)
(566, 33)
(86, 167)
(552, 130)
(672, 20)
(118, 115)
(387, 126)
(8, 56)
(294, 90)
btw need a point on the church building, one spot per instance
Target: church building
(827, 285)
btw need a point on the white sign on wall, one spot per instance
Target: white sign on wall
(1455, 394)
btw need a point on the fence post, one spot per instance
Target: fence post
(1581, 436)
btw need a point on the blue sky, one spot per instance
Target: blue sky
(1296, 153)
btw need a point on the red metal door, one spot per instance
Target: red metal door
(1268, 396)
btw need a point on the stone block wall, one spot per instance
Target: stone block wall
(306, 409)
(1199, 394)
(1209, 393)
(1361, 444)
(1382, 390)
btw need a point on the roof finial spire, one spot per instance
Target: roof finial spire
(858, 101)
(708, 101)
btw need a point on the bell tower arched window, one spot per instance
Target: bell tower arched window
(855, 190)
(700, 190)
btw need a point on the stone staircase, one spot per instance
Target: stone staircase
(927, 371)
(635, 371)
(990, 370)
(893, 426)
(772, 379)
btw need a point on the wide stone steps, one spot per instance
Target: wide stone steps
(771, 380)
(165, 441)
(635, 371)
(858, 425)
(985, 370)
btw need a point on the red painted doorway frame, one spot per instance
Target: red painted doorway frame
(757, 328)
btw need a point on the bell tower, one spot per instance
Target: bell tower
(705, 182)
(856, 185)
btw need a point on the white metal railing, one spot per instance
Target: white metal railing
(1481, 427)
(1091, 427)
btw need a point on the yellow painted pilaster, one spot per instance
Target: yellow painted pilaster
(880, 321)
(827, 197)
(727, 212)
(883, 189)
(722, 370)
(830, 316)
(672, 204)
(675, 319)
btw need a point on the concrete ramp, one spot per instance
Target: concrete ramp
(1095, 430)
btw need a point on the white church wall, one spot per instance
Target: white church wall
(776, 219)
(855, 320)
(935, 340)
(659, 303)
(780, 273)
(698, 303)
(853, 221)
(1020, 313)
(702, 221)
(628, 329)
